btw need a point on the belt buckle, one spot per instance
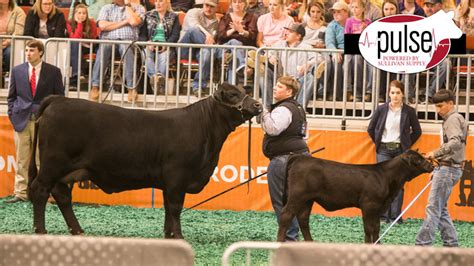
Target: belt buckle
(391, 145)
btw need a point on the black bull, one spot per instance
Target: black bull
(335, 186)
(121, 149)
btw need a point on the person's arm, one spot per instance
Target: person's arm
(133, 17)
(30, 23)
(12, 94)
(19, 22)
(58, 82)
(60, 29)
(373, 124)
(330, 38)
(93, 27)
(455, 136)
(174, 36)
(415, 126)
(77, 34)
(275, 122)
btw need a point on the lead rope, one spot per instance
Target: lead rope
(248, 155)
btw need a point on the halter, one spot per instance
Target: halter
(239, 106)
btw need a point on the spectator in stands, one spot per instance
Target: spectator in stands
(372, 10)
(14, 23)
(410, 7)
(79, 27)
(93, 9)
(270, 30)
(394, 128)
(293, 9)
(334, 39)
(118, 21)
(256, 7)
(182, 5)
(200, 27)
(271, 25)
(315, 27)
(162, 26)
(355, 25)
(237, 28)
(297, 64)
(30, 83)
(438, 78)
(285, 133)
(464, 16)
(45, 20)
(450, 155)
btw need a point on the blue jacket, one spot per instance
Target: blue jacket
(410, 129)
(21, 103)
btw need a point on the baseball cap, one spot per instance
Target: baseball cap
(433, 2)
(298, 28)
(339, 6)
(211, 2)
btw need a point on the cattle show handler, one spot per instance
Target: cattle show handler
(450, 155)
(285, 129)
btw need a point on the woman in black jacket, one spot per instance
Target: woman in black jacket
(45, 20)
(394, 128)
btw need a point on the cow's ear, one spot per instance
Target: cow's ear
(405, 158)
(248, 90)
(219, 94)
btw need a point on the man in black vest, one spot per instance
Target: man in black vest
(285, 133)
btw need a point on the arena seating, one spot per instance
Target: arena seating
(79, 250)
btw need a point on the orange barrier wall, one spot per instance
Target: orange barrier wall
(349, 147)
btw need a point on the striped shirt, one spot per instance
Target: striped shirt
(115, 13)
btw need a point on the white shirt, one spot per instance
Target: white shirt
(391, 132)
(37, 71)
(277, 121)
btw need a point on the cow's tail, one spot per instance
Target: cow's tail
(289, 164)
(46, 102)
(32, 170)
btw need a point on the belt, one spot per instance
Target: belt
(390, 145)
(449, 164)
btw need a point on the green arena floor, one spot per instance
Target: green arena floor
(208, 232)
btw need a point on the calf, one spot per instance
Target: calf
(336, 186)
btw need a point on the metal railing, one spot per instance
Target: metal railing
(350, 90)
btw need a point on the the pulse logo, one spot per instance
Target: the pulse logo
(408, 43)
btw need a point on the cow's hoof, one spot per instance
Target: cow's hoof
(40, 231)
(77, 233)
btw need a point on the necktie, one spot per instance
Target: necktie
(33, 82)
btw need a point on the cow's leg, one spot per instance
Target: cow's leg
(167, 226)
(371, 221)
(38, 194)
(303, 220)
(285, 220)
(174, 204)
(62, 194)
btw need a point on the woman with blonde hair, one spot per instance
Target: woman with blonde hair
(45, 20)
(162, 26)
(14, 17)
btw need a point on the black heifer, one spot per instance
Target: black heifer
(121, 149)
(335, 186)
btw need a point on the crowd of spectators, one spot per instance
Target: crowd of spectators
(245, 22)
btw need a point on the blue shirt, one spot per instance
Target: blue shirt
(334, 36)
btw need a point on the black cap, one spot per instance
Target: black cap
(298, 28)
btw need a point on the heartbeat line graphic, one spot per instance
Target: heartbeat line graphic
(367, 41)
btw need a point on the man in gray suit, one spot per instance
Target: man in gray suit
(30, 83)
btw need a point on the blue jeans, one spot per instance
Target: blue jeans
(195, 35)
(160, 67)
(441, 76)
(306, 89)
(6, 58)
(395, 208)
(240, 55)
(276, 185)
(359, 65)
(105, 51)
(437, 217)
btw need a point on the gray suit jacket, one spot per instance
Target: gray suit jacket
(21, 103)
